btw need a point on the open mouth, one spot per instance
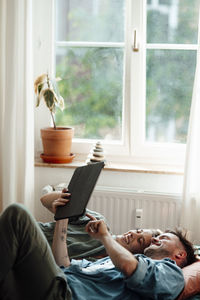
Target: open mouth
(156, 243)
(126, 238)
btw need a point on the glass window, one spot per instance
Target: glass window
(132, 99)
(92, 87)
(172, 31)
(170, 76)
(91, 20)
(172, 21)
(90, 59)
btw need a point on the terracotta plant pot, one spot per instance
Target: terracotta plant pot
(57, 143)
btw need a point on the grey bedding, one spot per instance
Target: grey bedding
(80, 244)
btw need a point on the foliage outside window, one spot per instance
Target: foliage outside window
(91, 67)
(170, 62)
(90, 58)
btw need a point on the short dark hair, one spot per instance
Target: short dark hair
(188, 246)
(156, 232)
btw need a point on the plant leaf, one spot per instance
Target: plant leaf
(38, 100)
(39, 80)
(49, 98)
(53, 109)
(61, 103)
(39, 88)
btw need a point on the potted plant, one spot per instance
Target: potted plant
(56, 140)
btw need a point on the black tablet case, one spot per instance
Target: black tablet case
(80, 187)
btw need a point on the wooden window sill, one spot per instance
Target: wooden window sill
(118, 167)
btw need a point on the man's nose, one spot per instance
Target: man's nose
(154, 239)
(133, 235)
(137, 235)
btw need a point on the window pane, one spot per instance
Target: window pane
(172, 21)
(91, 20)
(92, 89)
(170, 76)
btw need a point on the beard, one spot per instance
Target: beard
(156, 253)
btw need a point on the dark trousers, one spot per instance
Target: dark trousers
(27, 266)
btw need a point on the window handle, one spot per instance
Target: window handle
(135, 43)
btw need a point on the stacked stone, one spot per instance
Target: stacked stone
(96, 154)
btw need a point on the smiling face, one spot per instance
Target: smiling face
(135, 240)
(165, 245)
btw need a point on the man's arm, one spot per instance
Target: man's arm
(59, 246)
(121, 258)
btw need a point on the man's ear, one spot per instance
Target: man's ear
(180, 255)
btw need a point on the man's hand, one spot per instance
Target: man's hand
(61, 201)
(96, 228)
(121, 257)
(52, 200)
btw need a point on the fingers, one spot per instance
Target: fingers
(91, 217)
(65, 195)
(65, 190)
(59, 202)
(92, 226)
(95, 226)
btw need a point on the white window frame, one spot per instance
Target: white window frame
(133, 148)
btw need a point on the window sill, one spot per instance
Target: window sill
(118, 167)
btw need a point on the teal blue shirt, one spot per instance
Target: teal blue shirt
(153, 279)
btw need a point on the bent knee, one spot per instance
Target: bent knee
(15, 209)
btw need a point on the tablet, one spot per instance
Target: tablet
(80, 187)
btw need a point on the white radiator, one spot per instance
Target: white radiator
(120, 209)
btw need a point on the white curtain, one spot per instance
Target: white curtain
(16, 104)
(190, 214)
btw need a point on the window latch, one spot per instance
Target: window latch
(135, 42)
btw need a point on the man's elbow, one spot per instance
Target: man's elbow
(42, 200)
(129, 267)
